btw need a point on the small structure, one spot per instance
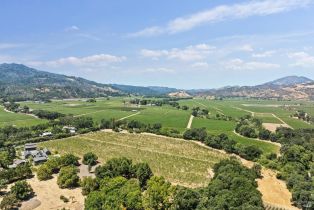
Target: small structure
(16, 163)
(71, 130)
(39, 156)
(46, 134)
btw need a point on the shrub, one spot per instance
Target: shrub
(22, 190)
(44, 172)
(90, 159)
(68, 177)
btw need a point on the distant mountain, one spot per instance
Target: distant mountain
(140, 90)
(288, 88)
(290, 80)
(20, 82)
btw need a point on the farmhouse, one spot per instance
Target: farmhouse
(71, 130)
(17, 163)
(39, 156)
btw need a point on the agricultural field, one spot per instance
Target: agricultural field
(17, 119)
(269, 111)
(179, 161)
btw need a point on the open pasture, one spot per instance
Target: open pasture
(179, 161)
(17, 119)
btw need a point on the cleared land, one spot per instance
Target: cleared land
(179, 161)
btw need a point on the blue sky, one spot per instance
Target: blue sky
(176, 43)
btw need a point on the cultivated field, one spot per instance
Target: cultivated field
(269, 111)
(16, 119)
(179, 161)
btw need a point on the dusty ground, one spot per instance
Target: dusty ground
(190, 122)
(274, 191)
(48, 194)
(273, 126)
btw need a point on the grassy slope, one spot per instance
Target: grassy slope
(17, 119)
(177, 160)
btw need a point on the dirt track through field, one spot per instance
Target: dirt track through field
(190, 122)
(131, 115)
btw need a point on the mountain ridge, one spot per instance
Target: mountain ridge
(20, 82)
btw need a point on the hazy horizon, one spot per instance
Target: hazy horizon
(192, 45)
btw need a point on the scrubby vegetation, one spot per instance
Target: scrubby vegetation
(233, 187)
(222, 141)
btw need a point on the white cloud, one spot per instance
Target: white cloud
(246, 48)
(93, 60)
(302, 59)
(159, 70)
(264, 54)
(72, 28)
(200, 65)
(238, 64)
(224, 12)
(190, 53)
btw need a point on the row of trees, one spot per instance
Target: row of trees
(119, 184)
(251, 127)
(222, 141)
(302, 115)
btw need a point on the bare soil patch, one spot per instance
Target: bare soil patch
(274, 191)
(273, 126)
(48, 194)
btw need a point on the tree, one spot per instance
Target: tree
(69, 159)
(143, 173)
(88, 185)
(90, 159)
(186, 199)
(68, 177)
(116, 167)
(250, 152)
(264, 134)
(257, 170)
(44, 172)
(22, 190)
(9, 202)
(159, 194)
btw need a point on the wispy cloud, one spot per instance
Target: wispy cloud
(264, 54)
(238, 64)
(159, 70)
(190, 53)
(72, 28)
(302, 59)
(222, 13)
(200, 65)
(97, 60)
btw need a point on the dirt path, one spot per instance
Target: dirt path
(32, 115)
(190, 122)
(131, 115)
(283, 122)
(252, 113)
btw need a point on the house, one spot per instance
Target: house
(39, 156)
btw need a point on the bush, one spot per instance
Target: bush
(186, 199)
(22, 190)
(64, 199)
(90, 159)
(88, 185)
(68, 177)
(9, 202)
(44, 172)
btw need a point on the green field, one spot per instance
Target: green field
(179, 161)
(16, 119)
(269, 111)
